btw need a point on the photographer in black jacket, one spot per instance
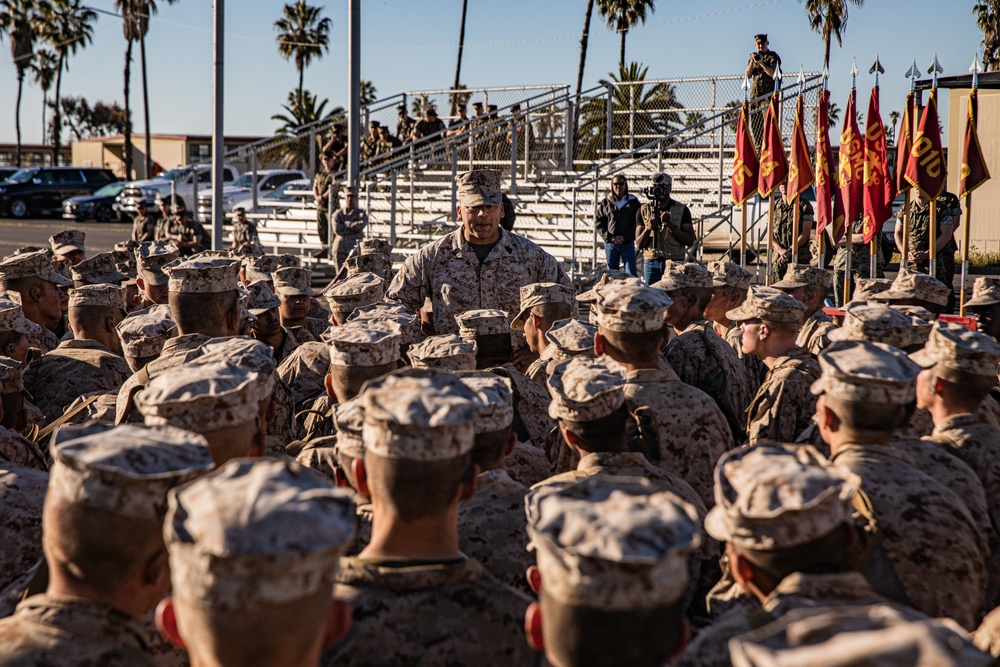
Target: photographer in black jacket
(615, 220)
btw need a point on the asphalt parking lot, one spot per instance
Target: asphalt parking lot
(101, 237)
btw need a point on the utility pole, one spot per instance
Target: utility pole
(218, 135)
(354, 128)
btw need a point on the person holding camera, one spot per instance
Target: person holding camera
(665, 228)
(760, 70)
(615, 220)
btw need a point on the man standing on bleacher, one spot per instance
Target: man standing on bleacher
(479, 265)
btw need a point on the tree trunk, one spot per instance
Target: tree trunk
(57, 128)
(826, 55)
(145, 105)
(17, 117)
(579, 72)
(127, 145)
(302, 72)
(458, 64)
(621, 56)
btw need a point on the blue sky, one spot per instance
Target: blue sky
(411, 44)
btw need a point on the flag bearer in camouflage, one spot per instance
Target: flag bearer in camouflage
(91, 361)
(151, 279)
(40, 288)
(204, 305)
(69, 245)
(613, 562)
(478, 265)
(860, 259)
(783, 406)
(809, 285)
(863, 390)
(785, 514)
(491, 524)
(293, 286)
(784, 213)
(542, 305)
(696, 353)
(730, 284)
(103, 539)
(687, 426)
(850, 637)
(416, 597)
(949, 217)
(254, 549)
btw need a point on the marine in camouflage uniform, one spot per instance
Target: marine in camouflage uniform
(143, 227)
(446, 611)
(185, 232)
(784, 219)
(83, 365)
(449, 272)
(916, 514)
(761, 83)
(37, 264)
(321, 195)
(22, 493)
(244, 231)
(783, 406)
(860, 261)
(810, 285)
(949, 210)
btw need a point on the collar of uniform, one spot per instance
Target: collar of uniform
(820, 316)
(694, 326)
(185, 342)
(497, 483)
(408, 577)
(78, 616)
(81, 344)
(845, 586)
(646, 375)
(605, 459)
(871, 450)
(956, 421)
(464, 249)
(793, 355)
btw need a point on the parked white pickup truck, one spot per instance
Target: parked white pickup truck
(240, 191)
(183, 180)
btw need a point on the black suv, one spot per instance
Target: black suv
(41, 190)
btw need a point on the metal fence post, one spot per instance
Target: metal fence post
(609, 130)
(253, 168)
(597, 192)
(513, 158)
(527, 146)
(713, 107)
(722, 167)
(572, 241)
(311, 170)
(568, 147)
(631, 118)
(392, 209)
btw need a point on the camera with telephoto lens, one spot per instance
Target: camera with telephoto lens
(657, 194)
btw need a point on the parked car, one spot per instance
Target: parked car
(97, 206)
(7, 172)
(240, 191)
(183, 183)
(271, 202)
(41, 190)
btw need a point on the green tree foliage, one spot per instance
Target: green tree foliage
(829, 19)
(622, 15)
(304, 35)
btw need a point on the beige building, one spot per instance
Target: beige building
(984, 233)
(168, 151)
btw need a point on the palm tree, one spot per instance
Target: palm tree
(988, 19)
(146, 9)
(43, 72)
(829, 19)
(19, 20)
(461, 46)
(304, 35)
(894, 117)
(132, 19)
(68, 26)
(654, 109)
(302, 109)
(622, 15)
(368, 92)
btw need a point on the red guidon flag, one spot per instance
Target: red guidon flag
(829, 206)
(974, 169)
(904, 142)
(851, 169)
(745, 163)
(925, 166)
(880, 188)
(800, 172)
(773, 162)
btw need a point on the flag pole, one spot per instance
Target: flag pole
(876, 69)
(796, 214)
(770, 236)
(743, 207)
(848, 239)
(912, 74)
(932, 233)
(821, 238)
(968, 206)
